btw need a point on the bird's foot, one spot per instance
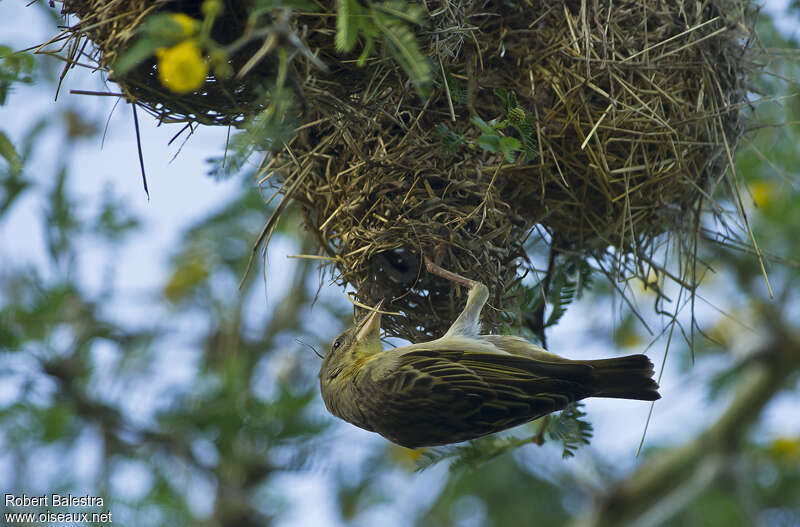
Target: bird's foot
(539, 437)
(449, 275)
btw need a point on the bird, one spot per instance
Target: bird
(463, 385)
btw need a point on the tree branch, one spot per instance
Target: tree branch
(660, 488)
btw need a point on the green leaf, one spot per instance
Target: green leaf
(489, 142)
(390, 21)
(402, 45)
(114, 219)
(527, 131)
(570, 429)
(368, 45)
(266, 131)
(137, 54)
(509, 146)
(12, 188)
(158, 31)
(508, 97)
(9, 153)
(62, 221)
(458, 92)
(561, 295)
(348, 16)
(472, 454)
(451, 140)
(31, 138)
(412, 13)
(483, 125)
(14, 67)
(162, 28)
(55, 422)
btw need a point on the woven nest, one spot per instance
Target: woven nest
(378, 221)
(634, 108)
(110, 27)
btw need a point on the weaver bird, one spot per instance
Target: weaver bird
(463, 385)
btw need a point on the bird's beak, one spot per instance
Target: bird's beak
(371, 325)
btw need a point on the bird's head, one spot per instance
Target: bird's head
(353, 346)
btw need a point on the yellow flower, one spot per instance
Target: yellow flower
(187, 23)
(190, 273)
(655, 281)
(763, 192)
(405, 457)
(181, 68)
(628, 338)
(785, 448)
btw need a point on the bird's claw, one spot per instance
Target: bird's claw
(449, 275)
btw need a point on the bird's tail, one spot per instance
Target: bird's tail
(628, 377)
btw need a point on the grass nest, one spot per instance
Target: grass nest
(621, 119)
(106, 30)
(632, 110)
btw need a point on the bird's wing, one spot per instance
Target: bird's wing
(507, 375)
(446, 395)
(514, 345)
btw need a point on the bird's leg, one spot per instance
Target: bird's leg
(539, 437)
(468, 322)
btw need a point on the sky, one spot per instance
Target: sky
(181, 194)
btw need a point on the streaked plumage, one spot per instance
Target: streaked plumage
(463, 385)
